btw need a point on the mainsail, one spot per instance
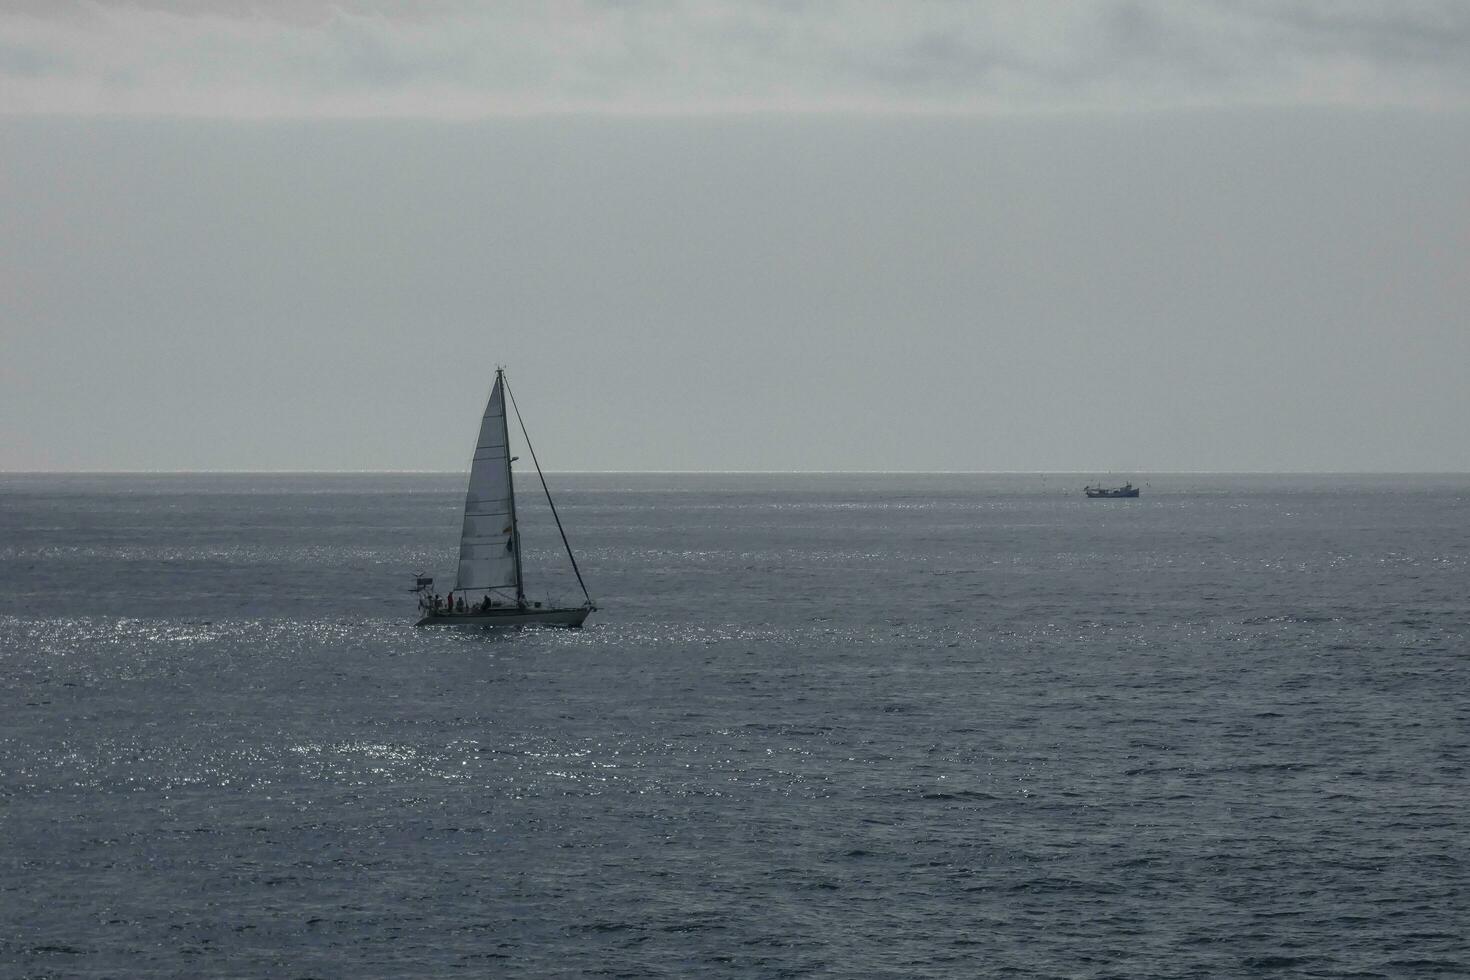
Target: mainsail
(487, 544)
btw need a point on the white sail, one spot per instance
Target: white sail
(487, 558)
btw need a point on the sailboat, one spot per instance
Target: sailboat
(489, 589)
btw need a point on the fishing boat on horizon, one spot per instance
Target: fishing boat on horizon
(489, 589)
(1110, 493)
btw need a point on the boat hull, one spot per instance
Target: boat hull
(1112, 494)
(570, 618)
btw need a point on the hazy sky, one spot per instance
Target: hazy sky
(977, 236)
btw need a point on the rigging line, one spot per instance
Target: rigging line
(546, 490)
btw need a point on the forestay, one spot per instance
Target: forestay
(487, 558)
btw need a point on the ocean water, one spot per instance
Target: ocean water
(826, 725)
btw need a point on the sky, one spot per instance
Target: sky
(1104, 237)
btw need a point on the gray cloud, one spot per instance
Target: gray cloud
(1412, 34)
(464, 60)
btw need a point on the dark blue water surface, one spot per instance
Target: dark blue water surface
(898, 725)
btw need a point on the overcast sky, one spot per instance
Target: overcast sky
(963, 236)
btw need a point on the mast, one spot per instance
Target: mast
(515, 528)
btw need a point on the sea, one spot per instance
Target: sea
(829, 725)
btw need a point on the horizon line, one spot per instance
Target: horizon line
(714, 472)
(881, 111)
